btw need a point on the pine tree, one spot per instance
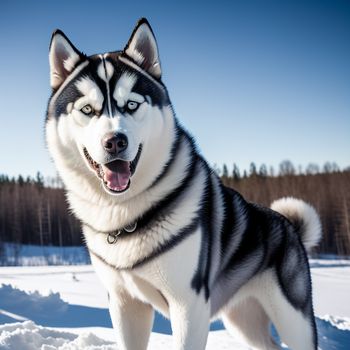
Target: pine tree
(39, 180)
(286, 168)
(312, 169)
(224, 171)
(263, 170)
(235, 172)
(252, 169)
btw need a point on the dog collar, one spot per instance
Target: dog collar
(112, 237)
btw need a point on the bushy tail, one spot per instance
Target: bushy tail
(303, 216)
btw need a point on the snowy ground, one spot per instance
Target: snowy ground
(65, 307)
(36, 255)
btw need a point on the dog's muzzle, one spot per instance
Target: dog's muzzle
(115, 175)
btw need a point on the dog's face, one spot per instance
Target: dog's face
(109, 113)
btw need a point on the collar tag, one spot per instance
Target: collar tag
(112, 237)
(131, 228)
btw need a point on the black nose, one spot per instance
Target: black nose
(115, 143)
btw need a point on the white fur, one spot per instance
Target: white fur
(143, 36)
(59, 69)
(260, 300)
(69, 63)
(92, 95)
(248, 321)
(293, 208)
(163, 283)
(105, 74)
(105, 71)
(123, 88)
(189, 312)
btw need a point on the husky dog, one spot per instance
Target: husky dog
(162, 230)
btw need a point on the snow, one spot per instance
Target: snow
(331, 284)
(27, 335)
(35, 255)
(65, 307)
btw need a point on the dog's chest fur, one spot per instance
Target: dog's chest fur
(157, 281)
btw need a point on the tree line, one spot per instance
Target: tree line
(35, 210)
(327, 188)
(31, 212)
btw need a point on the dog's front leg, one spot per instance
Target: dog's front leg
(190, 324)
(132, 320)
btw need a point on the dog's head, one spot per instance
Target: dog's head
(109, 116)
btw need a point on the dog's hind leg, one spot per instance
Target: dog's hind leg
(295, 328)
(132, 320)
(289, 310)
(249, 321)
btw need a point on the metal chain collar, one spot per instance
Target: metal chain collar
(112, 237)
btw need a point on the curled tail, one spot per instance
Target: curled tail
(303, 216)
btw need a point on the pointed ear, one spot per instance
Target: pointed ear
(142, 48)
(63, 58)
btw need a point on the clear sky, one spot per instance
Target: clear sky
(258, 81)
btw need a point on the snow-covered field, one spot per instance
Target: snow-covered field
(65, 307)
(36, 255)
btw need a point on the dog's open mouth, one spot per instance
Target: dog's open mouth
(115, 175)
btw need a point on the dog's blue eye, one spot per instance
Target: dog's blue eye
(87, 110)
(132, 106)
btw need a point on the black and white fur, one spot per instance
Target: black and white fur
(200, 250)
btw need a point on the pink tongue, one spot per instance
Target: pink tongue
(117, 175)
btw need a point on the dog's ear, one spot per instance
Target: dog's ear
(63, 58)
(142, 48)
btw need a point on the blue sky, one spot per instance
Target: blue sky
(258, 81)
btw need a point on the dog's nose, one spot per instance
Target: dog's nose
(115, 143)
